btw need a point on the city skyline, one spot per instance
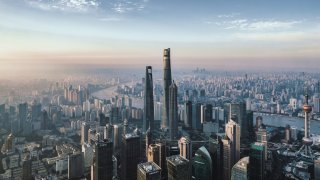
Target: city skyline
(220, 34)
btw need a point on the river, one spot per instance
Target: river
(282, 121)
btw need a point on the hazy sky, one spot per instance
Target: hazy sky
(208, 33)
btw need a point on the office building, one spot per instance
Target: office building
(239, 110)
(240, 170)
(148, 171)
(22, 116)
(227, 158)
(179, 168)
(103, 162)
(202, 164)
(262, 138)
(117, 136)
(196, 116)
(130, 156)
(257, 161)
(148, 113)
(149, 140)
(216, 152)
(27, 168)
(206, 113)
(185, 146)
(233, 134)
(173, 111)
(75, 166)
(162, 159)
(188, 114)
(317, 169)
(167, 79)
(154, 154)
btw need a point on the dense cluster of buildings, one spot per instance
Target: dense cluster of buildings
(200, 127)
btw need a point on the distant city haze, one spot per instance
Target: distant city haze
(45, 35)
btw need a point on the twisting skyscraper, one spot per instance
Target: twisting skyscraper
(173, 111)
(148, 115)
(166, 84)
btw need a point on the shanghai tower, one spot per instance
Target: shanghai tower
(166, 84)
(148, 115)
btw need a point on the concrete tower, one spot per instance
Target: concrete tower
(148, 114)
(173, 111)
(167, 79)
(306, 150)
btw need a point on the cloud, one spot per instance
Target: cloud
(128, 6)
(271, 25)
(228, 15)
(276, 36)
(65, 5)
(110, 19)
(82, 6)
(253, 25)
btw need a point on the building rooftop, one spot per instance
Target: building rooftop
(131, 135)
(242, 163)
(149, 167)
(177, 160)
(257, 146)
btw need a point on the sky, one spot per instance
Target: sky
(221, 34)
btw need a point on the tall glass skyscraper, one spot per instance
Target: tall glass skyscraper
(256, 159)
(167, 79)
(202, 164)
(148, 115)
(130, 156)
(240, 170)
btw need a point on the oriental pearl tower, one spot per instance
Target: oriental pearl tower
(305, 150)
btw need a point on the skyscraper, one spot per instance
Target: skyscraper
(185, 146)
(148, 171)
(148, 114)
(202, 164)
(103, 164)
(256, 159)
(196, 116)
(227, 158)
(240, 170)
(317, 169)
(84, 132)
(188, 115)
(154, 154)
(162, 159)
(22, 115)
(35, 111)
(149, 141)
(130, 155)
(75, 166)
(262, 138)
(27, 168)
(216, 151)
(167, 79)
(233, 133)
(178, 168)
(173, 111)
(206, 113)
(239, 109)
